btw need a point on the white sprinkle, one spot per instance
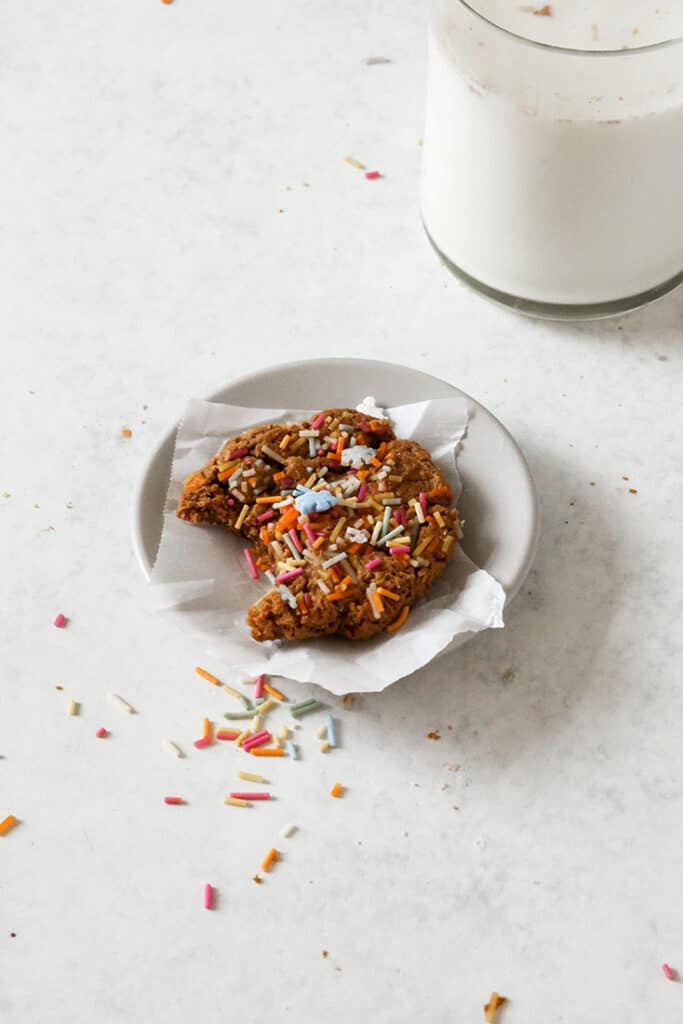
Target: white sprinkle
(120, 702)
(237, 494)
(172, 748)
(323, 586)
(256, 723)
(269, 576)
(376, 531)
(73, 707)
(309, 433)
(232, 480)
(248, 473)
(287, 830)
(273, 455)
(333, 560)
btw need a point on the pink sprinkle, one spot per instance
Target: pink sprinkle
(365, 427)
(294, 537)
(226, 734)
(250, 796)
(286, 482)
(258, 688)
(101, 733)
(257, 740)
(231, 501)
(362, 491)
(308, 599)
(372, 175)
(309, 533)
(373, 563)
(402, 549)
(251, 563)
(668, 972)
(238, 453)
(60, 621)
(318, 421)
(175, 800)
(400, 516)
(200, 744)
(291, 575)
(423, 501)
(208, 897)
(265, 516)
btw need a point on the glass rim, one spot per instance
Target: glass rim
(570, 50)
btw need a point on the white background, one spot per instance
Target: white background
(147, 154)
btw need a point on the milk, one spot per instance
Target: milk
(549, 176)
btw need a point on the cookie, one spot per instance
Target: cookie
(350, 524)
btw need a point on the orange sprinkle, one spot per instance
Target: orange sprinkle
(399, 621)
(355, 547)
(8, 823)
(194, 481)
(284, 443)
(267, 752)
(264, 499)
(374, 461)
(362, 473)
(344, 582)
(126, 432)
(269, 859)
(439, 492)
(206, 729)
(301, 605)
(288, 518)
(337, 789)
(207, 675)
(264, 535)
(381, 450)
(273, 692)
(338, 595)
(388, 593)
(319, 543)
(279, 476)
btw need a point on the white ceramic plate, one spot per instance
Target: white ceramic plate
(498, 502)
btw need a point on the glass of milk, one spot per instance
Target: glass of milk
(552, 175)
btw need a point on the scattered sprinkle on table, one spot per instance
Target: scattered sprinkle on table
(324, 747)
(208, 897)
(331, 731)
(372, 175)
(174, 801)
(126, 432)
(668, 972)
(226, 734)
(269, 859)
(261, 795)
(235, 801)
(304, 707)
(73, 707)
(287, 830)
(491, 1008)
(202, 743)
(337, 789)
(251, 777)
(207, 675)
(7, 824)
(355, 163)
(378, 60)
(60, 621)
(121, 703)
(172, 748)
(273, 692)
(101, 733)
(267, 752)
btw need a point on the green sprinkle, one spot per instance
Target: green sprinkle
(233, 716)
(302, 709)
(247, 703)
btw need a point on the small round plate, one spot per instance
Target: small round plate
(498, 502)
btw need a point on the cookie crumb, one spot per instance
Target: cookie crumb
(632, 490)
(325, 954)
(257, 879)
(491, 1008)
(433, 735)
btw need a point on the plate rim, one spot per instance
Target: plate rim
(140, 551)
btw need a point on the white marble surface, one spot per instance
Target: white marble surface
(147, 151)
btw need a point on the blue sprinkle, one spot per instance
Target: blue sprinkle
(291, 749)
(308, 501)
(331, 734)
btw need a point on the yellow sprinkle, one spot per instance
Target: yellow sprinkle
(73, 707)
(232, 691)
(266, 706)
(250, 777)
(324, 747)
(355, 163)
(439, 519)
(322, 732)
(256, 723)
(283, 733)
(341, 523)
(242, 737)
(277, 742)
(235, 801)
(242, 516)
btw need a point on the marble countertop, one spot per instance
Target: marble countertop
(177, 211)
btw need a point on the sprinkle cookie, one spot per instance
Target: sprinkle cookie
(349, 524)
